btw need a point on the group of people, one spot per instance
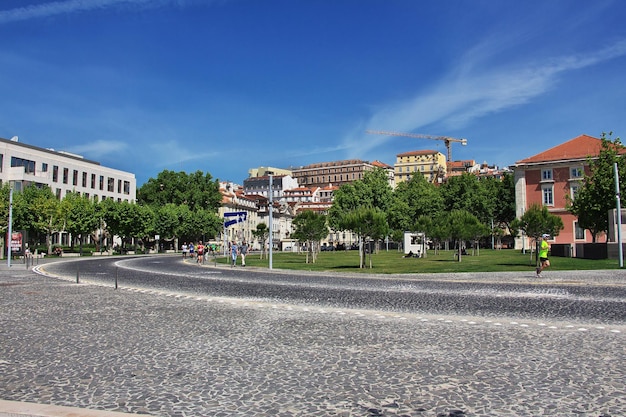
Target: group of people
(199, 250)
(236, 250)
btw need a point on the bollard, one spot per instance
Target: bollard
(116, 277)
(77, 274)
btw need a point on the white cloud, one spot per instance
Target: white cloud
(98, 149)
(73, 6)
(476, 91)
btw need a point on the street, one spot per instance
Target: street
(179, 339)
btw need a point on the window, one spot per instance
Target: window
(548, 196)
(579, 232)
(29, 166)
(44, 167)
(101, 185)
(574, 188)
(75, 177)
(546, 175)
(93, 181)
(576, 172)
(66, 175)
(84, 179)
(55, 173)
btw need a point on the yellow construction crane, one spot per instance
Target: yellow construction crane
(447, 140)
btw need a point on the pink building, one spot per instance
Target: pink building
(549, 177)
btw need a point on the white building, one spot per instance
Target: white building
(22, 165)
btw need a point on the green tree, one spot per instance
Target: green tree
(368, 223)
(596, 197)
(310, 227)
(467, 192)
(462, 226)
(411, 200)
(47, 217)
(535, 222)
(262, 233)
(197, 190)
(80, 217)
(504, 201)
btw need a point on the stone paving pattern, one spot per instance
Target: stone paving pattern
(169, 355)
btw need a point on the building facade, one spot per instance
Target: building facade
(430, 164)
(22, 165)
(336, 173)
(549, 179)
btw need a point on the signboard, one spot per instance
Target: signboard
(16, 243)
(235, 217)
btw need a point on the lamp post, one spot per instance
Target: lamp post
(10, 231)
(271, 203)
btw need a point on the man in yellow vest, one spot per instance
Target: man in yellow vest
(544, 262)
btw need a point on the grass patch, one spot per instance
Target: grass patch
(393, 262)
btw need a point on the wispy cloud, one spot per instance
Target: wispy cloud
(99, 149)
(73, 6)
(478, 90)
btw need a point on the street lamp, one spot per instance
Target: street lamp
(271, 203)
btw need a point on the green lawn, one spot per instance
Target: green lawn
(393, 262)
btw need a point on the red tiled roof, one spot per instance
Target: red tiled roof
(424, 152)
(380, 164)
(580, 147)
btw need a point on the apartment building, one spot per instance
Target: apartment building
(336, 172)
(430, 164)
(22, 165)
(549, 177)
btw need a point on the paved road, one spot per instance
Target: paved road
(195, 341)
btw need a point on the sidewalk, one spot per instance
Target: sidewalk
(21, 409)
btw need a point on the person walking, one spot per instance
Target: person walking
(243, 250)
(234, 249)
(200, 252)
(544, 248)
(185, 250)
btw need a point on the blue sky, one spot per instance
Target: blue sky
(223, 86)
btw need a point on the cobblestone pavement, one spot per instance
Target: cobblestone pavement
(166, 354)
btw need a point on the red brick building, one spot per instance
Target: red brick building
(549, 177)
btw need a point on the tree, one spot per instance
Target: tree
(372, 191)
(80, 216)
(196, 190)
(47, 216)
(411, 200)
(463, 225)
(596, 197)
(536, 221)
(310, 227)
(366, 222)
(261, 233)
(467, 192)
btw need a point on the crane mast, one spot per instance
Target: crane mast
(446, 140)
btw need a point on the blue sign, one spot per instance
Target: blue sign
(239, 217)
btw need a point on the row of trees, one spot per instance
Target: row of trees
(174, 205)
(184, 206)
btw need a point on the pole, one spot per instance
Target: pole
(619, 217)
(271, 214)
(10, 234)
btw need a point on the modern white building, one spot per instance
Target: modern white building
(22, 165)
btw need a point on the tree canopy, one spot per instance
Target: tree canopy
(596, 196)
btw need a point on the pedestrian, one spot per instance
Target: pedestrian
(544, 262)
(243, 250)
(185, 250)
(233, 253)
(200, 252)
(191, 249)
